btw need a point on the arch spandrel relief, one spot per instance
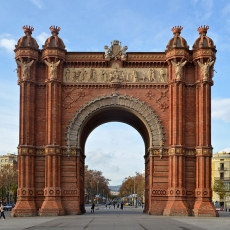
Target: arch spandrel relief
(102, 75)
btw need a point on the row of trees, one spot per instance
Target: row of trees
(8, 183)
(95, 184)
(133, 185)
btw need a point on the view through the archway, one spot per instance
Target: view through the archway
(115, 155)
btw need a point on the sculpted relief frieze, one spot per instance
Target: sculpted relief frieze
(102, 75)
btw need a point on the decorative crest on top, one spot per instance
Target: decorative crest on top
(55, 30)
(28, 29)
(115, 50)
(177, 29)
(203, 30)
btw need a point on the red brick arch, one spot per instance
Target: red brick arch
(65, 95)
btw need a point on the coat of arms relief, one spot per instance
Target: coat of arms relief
(115, 51)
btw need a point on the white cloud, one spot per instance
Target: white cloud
(37, 3)
(116, 149)
(41, 38)
(221, 109)
(7, 42)
(226, 150)
(97, 157)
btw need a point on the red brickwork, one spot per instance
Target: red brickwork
(59, 108)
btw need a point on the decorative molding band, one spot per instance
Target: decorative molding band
(122, 85)
(157, 152)
(204, 152)
(102, 75)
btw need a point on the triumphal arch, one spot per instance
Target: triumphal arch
(165, 96)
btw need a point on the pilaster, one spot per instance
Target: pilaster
(203, 205)
(25, 205)
(26, 60)
(176, 204)
(52, 204)
(149, 168)
(80, 178)
(203, 194)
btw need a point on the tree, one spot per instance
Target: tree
(93, 180)
(9, 181)
(130, 184)
(220, 188)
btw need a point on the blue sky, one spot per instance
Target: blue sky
(88, 25)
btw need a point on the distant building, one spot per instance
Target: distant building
(221, 171)
(143, 173)
(114, 190)
(8, 159)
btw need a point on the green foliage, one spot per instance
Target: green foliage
(220, 188)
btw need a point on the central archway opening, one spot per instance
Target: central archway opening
(117, 151)
(116, 108)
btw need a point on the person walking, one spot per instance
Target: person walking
(92, 208)
(2, 212)
(142, 203)
(122, 205)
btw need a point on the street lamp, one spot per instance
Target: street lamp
(97, 192)
(135, 196)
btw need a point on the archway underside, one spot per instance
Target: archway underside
(114, 114)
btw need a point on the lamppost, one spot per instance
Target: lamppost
(97, 192)
(135, 196)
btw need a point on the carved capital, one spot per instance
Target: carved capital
(52, 150)
(177, 151)
(26, 150)
(204, 152)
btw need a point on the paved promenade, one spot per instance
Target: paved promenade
(105, 219)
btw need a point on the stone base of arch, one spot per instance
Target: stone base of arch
(157, 206)
(52, 206)
(204, 208)
(176, 207)
(24, 208)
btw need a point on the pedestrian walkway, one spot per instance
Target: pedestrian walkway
(105, 219)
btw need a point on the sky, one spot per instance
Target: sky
(89, 25)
